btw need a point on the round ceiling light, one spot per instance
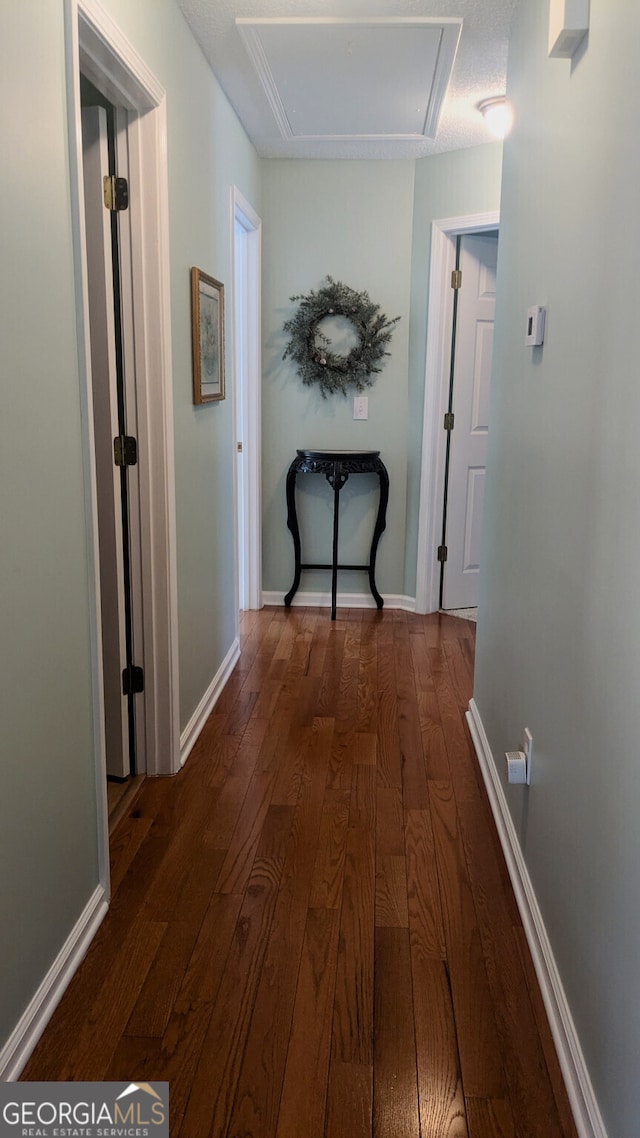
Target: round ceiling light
(498, 115)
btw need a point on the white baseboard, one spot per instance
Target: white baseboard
(22, 1041)
(344, 600)
(207, 703)
(583, 1101)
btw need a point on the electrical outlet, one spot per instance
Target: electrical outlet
(527, 747)
(361, 407)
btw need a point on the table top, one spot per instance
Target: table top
(339, 454)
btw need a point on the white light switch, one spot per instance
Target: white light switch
(361, 407)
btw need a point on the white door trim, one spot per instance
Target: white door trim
(436, 390)
(247, 403)
(95, 44)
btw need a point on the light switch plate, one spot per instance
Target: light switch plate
(534, 335)
(361, 407)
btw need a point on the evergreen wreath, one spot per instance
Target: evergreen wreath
(311, 349)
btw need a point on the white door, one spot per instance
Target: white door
(247, 397)
(105, 424)
(470, 405)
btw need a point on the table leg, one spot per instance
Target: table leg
(337, 486)
(381, 522)
(292, 523)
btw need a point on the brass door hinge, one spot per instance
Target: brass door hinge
(125, 450)
(456, 278)
(449, 421)
(116, 193)
(442, 553)
(132, 680)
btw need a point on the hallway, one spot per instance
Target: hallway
(312, 933)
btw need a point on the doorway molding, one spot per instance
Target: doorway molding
(247, 403)
(436, 389)
(96, 46)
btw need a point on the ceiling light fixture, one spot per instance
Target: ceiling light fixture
(498, 115)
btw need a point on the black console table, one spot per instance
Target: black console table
(336, 465)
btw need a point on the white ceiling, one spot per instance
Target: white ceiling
(374, 79)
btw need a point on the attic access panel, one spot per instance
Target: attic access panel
(353, 79)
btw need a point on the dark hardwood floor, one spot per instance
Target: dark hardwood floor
(312, 932)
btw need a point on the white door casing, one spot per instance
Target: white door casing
(468, 446)
(246, 237)
(95, 45)
(439, 329)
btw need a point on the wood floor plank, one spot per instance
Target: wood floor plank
(365, 747)
(353, 1007)
(389, 821)
(420, 660)
(183, 1039)
(433, 740)
(158, 993)
(362, 804)
(240, 712)
(391, 910)
(238, 862)
(330, 679)
(367, 704)
(442, 1104)
(259, 1086)
(349, 1101)
(478, 1041)
(326, 889)
(490, 1118)
(214, 1083)
(423, 888)
(342, 753)
(317, 655)
(414, 772)
(124, 844)
(347, 703)
(307, 707)
(188, 876)
(395, 1085)
(291, 766)
(152, 1009)
(389, 751)
(304, 1091)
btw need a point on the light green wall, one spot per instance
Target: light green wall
(208, 152)
(48, 825)
(351, 220)
(559, 621)
(368, 224)
(455, 184)
(48, 844)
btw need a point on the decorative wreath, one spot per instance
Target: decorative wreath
(311, 348)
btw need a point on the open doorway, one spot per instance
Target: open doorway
(107, 235)
(437, 403)
(467, 419)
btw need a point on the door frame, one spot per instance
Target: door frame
(247, 401)
(444, 234)
(95, 45)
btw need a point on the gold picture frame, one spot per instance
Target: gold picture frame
(207, 337)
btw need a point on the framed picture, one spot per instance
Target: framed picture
(207, 337)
